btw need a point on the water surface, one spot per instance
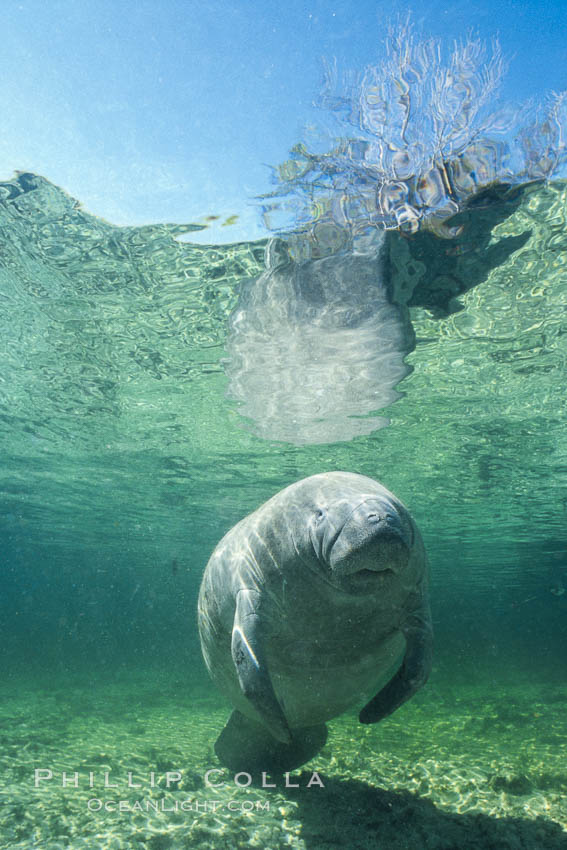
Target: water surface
(124, 462)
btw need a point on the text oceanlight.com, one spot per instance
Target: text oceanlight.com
(95, 804)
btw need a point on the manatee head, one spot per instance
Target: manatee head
(361, 535)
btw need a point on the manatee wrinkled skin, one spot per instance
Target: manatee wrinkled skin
(313, 604)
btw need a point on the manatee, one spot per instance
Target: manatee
(315, 603)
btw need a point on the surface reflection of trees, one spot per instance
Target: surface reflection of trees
(316, 346)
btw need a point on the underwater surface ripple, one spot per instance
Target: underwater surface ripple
(112, 370)
(124, 463)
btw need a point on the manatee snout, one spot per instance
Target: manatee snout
(374, 538)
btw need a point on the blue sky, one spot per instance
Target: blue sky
(169, 110)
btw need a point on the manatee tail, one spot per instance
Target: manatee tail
(244, 745)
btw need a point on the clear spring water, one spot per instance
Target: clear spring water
(123, 463)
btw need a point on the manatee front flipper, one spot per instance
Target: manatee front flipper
(412, 674)
(244, 745)
(251, 667)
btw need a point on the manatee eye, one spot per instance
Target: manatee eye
(319, 514)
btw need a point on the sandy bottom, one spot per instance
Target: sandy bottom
(456, 769)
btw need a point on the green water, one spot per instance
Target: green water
(123, 464)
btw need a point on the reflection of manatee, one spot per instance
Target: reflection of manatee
(306, 608)
(315, 344)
